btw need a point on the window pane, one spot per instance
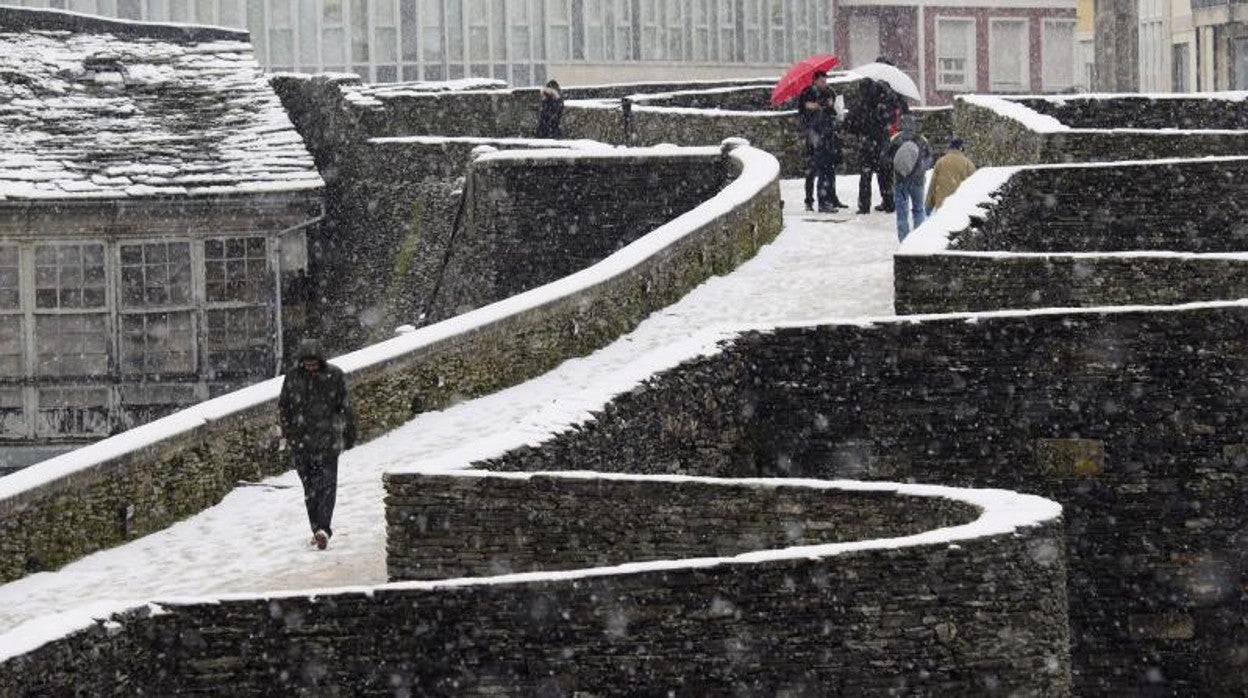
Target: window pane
(1059, 55)
(10, 289)
(73, 411)
(71, 345)
(239, 342)
(69, 276)
(236, 270)
(157, 343)
(12, 341)
(1007, 66)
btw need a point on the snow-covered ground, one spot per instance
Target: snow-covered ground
(256, 539)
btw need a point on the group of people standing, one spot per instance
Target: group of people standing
(890, 151)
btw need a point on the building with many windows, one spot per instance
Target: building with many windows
(523, 42)
(153, 193)
(953, 47)
(1171, 45)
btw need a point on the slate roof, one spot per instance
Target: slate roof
(93, 108)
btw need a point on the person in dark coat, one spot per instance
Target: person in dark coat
(317, 424)
(869, 120)
(550, 112)
(816, 106)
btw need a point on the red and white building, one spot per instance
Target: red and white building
(953, 47)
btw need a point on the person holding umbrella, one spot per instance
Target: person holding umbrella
(817, 107)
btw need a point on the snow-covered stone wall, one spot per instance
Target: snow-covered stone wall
(141, 481)
(1102, 128)
(797, 588)
(1132, 418)
(1082, 236)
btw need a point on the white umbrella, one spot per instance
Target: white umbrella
(891, 74)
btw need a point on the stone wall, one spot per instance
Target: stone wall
(446, 526)
(131, 485)
(996, 139)
(1134, 420)
(532, 220)
(1084, 236)
(971, 614)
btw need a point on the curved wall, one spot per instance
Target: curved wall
(147, 478)
(1082, 236)
(967, 598)
(1134, 419)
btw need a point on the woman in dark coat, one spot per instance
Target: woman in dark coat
(550, 113)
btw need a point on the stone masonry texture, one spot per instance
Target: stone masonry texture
(1072, 223)
(984, 617)
(1134, 421)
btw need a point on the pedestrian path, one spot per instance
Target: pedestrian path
(256, 540)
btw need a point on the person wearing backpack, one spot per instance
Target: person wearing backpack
(911, 156)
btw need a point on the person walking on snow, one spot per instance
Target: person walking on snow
(869, 118)
(817, 106)
(950, 170)
(317, 423)
(911, 157)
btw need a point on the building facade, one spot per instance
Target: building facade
(1171, 45)
(523, 42)
(153, 196)
(952, 47)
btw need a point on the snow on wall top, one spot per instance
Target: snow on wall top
(1002, 513)
(101, 109)
(1014, 107)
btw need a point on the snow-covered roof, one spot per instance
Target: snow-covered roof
(93, 108)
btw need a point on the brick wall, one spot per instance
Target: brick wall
(981, 616)
(1133, 420)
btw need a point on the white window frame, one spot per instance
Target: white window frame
(971, 69)
(1025, 78)
(1046, 79)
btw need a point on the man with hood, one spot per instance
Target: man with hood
(318, 424)
(911, 156)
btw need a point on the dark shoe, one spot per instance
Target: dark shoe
(839, 204)
(885, 209)
(810, 205)
(827, 208)
(863, 211)
(322, 540)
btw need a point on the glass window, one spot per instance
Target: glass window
(157, 343)
(431, 35)
(71, 345)
(12, 343)
(1058, 55)
(651, 42)
(69, 276)
(73, 411)
(675, 24)
(623, 23)
(308, 56)
(776, 38)
(518, 17)
(700, 41)
(230, 13)
(235, 269)
(1241, 63)
(10, 290)
(1007, 62)
(334, 46)
(1182, 67)
(239, 341)
(155, 274)
(753, 32)
(359, 31)
(559, 30)
(205, 11)
(955, 54)
(12, 414)
(478, 31)
(595, 30)
(331, 12)
(410, 51)
(727, 17)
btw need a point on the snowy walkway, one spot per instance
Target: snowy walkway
(256, 539)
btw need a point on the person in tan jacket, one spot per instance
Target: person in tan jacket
(950, 170)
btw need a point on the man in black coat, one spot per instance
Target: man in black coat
(318, 424)
(870, 119)
(823, 148)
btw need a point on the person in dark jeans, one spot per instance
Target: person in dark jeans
(870, 119)
(317, 423)
(816, 106)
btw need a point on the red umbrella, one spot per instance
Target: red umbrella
(799, 76)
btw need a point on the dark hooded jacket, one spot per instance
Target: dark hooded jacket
(315, 408)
